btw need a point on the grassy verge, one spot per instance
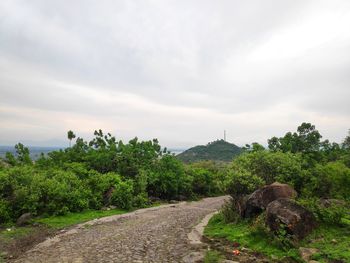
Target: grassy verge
(260, 241)
(333, 243)
(70, 219)
(212, 256)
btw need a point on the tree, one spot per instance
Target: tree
(346, 142)
(71, 136)
(305, 140)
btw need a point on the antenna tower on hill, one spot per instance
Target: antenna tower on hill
(225, 135)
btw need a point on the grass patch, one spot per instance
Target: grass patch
(212, 256)
(77, 218)
(261, 241)
(332, 241)
(247, 236)
(15, 233)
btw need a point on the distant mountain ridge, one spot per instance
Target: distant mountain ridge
(219, 150)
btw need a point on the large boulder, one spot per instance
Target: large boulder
(24, 219)
(259, 200)
(285, 214)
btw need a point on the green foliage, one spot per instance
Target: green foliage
(22, 156)
(331, 180)
(248, 235)
(242, 182)
(346, 142)
(332, 241)
(331, 214)
(219, 150)
(70, 135)
(271, 166)
(98, 173)
(305, 140)
(168, 179)
(230, 212)
(70, 219)
(207, 177)
(4, 211)
(123, 194)
(212, 256)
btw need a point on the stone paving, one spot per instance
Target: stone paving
(148, 235)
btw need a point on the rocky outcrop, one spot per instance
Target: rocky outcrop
(260, 199)
(285, 214)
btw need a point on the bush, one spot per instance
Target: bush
(207, 177)
(63, 193)
(99, 184)
(229, 212)
(272, 167)
(122, 196)
(241, 183)
(330, 214)
(331, 180)
(5, 215)
(168, 180)
(141, 200)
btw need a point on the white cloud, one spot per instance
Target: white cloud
(182, 71)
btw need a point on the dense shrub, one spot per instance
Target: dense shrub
(330, 214)
(122, 196)
(229, 212)
(168, 180)
(5, 215)
(331, 180)
(208, 177)
(272, 166)
(242, 182)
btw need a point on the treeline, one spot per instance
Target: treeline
(99, 173)
(105, 171)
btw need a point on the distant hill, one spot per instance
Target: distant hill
(219, 150)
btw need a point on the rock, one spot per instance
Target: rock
(108, 195)
(172, 201)
(325, 202)
(154, 199)
(229, 261)
(334, 241)
(112, 207)
(306, 253)
(295, 219)
(24, 219)
(181, 198)
(259, 200)
(193, 257)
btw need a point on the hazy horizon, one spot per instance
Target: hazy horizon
(180, 71)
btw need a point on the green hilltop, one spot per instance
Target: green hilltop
(219, 150)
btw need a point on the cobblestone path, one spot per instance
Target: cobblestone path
(148, 235)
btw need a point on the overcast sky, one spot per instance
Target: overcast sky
(181, 71)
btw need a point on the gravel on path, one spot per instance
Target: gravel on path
(158, 234)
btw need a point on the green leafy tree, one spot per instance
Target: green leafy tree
(71, 136)
(346, 142)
